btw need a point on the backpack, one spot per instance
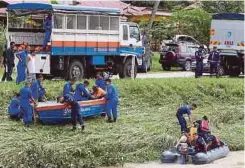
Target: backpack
(204, 126)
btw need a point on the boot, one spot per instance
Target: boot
(109, 120)
(114, 120)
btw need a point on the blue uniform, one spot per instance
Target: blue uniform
(81, 93)
(34, 90)
(25, 104)
(112, 101)
(14, 108)
(41, 90)
(76, 113)
(68, 90)
(180, 116)
(100, 83)
(199, 55)
(21, 67)
(48, 30)
(214, 59)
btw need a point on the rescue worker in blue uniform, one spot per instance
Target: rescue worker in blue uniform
(214, 60)
(34, 90)
(199, 55)
(112, 98)
(186, 109)
(41, 89)
(14, 108)
(100, 81)
(68, 87)
(48, 30)
(21, 67)
(75, 111)
(82, 92)
(26, 104)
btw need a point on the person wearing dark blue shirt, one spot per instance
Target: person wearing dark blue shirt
(81, 92)
(14, 108)
(112, 100)
(68, 87)
(41, 89)
(199, 55)
(75, 111)
(186, 109)
(214, 60)
(34, 90)
(100, 82)
(48, 30)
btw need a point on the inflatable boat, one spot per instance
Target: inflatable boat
(56, 113)
(172, 155)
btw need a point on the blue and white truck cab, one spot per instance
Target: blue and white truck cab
(84, 40)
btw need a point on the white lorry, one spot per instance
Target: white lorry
(227, 34)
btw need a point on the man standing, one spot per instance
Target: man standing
(112, 100)
(4, 63)
(31, 69)
(214, 59)
(10, 60)
(48, 30)
(82, 92)
(180, 115)
(199, 62)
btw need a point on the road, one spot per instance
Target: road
(233, 160)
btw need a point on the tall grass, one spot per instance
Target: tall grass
(147, 124)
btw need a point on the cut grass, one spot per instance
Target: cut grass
(147, 124)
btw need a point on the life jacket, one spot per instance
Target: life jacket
(204, 126)
(191, 135)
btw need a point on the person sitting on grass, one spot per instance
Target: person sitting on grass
(14, 108)
(98, 93)
(75, 111)
(186, 109)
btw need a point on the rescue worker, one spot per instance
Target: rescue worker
(4, 63)
(14, 108)
(199, 55)
(34, 90)
(21, 67)
(68, 87)
(26, 104)
(98, 93)
(186, 109)
(214, 60)
(10, 60)
(82, 92)
(100, 81)
(48, 30)
(75, 111)
(112, 98)
(41, 89)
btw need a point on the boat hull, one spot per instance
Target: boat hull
(56, 113)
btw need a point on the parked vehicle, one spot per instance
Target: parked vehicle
(227, 34)
(178, 55)
(84, 40)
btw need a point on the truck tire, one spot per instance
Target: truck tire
(187, 66)
(150, 64)
(234, 72)
(75, 70)
(126, 69)
(221, 70)
(166, 67)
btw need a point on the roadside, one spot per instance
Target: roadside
(234, 160)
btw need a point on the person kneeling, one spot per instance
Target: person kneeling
(41, 89)
(75, 111)
(14, 108)
(98, 93)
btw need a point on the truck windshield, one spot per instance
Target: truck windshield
(134, 32)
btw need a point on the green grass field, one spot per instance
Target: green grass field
(147, 124)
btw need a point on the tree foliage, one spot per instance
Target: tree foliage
(223, 6)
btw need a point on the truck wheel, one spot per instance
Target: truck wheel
(145, 68)
(75, 70)
(166, 67)
(187, 66)
(235, 72)
(221, 71)
(126, 69)
(150, 64)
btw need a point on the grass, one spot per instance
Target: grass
(147, 124)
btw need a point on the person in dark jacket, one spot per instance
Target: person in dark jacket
(4, 63)
(82, 92)
(214, 59)
(68, 87)
(199, 55)
(10, 60)
(75, 111)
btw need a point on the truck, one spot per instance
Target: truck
(84, 40)
(227, 34)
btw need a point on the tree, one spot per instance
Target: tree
(195, 22)
(223, 6)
